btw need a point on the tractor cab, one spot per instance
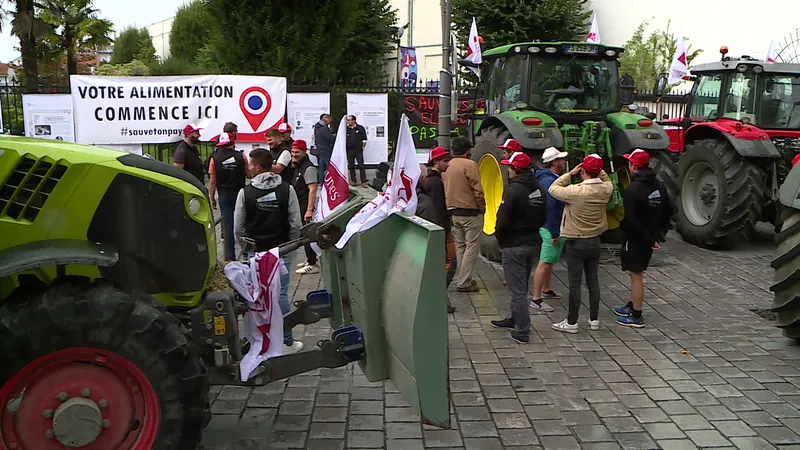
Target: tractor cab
(570, 82)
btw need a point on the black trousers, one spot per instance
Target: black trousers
(354, 157)
(583, 257)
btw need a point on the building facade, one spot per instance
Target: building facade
(159, 32)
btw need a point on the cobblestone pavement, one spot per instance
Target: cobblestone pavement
(706, 372)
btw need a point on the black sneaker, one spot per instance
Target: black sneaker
(519, 337)
(505, 323)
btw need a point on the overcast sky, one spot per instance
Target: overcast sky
(140, 13)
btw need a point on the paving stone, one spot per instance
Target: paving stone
(778, 435)
(442, 438)
(577, 418)
(734, 428)
(716, 413)
(325, 444)
(288, 439)
(478, 429)
(664, 430)
(676, 407)
(649, 415)
(676, 444)
(691, 422)
(622, 424)
(405, 444)
(370, 423)
(752, 443)
(518, 437)
(512, 420)
(551, 427)
(505, 406)
(592, 433)
(327, 430)
(611, 410)
(707, 438)
(636, 441)
(559, 443)
(291, 423)
(365, 439)
(400, 430)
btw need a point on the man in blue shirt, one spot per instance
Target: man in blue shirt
(555, 163)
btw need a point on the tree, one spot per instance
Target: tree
(502, 22)
(369, 42)
(133, 68)
(77, 26)
(27, 27)
(301, 39)
(126, 46)
(648, 56)
(146, 51)
(190, 30)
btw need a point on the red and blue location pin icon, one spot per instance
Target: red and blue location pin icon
(255, 103)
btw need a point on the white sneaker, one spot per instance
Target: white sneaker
(594, 325)
(565, 327)
(541, 307)
(302, 264)
(308, 269)
(292, 349)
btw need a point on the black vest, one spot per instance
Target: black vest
(267, 216)
(299, 183)
(193, 164)
(230, 170)
(288, 171)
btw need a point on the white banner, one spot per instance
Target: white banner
(48, 116)
(130, 148)
(372, 112)
(303, 111)
(140, 110)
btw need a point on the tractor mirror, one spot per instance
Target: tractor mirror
(661, 86)
(651, 115)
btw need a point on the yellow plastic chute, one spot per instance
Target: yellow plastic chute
(492, 181)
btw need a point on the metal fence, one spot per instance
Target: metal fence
(670, 106)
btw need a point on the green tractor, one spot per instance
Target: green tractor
(786, 304)
(111, 333)
(566, 95)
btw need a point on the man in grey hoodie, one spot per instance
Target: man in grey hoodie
(268, 212)
(323, 143)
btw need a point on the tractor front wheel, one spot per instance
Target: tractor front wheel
(721, 195)
(88, 365)
(663, 164)
(786, 303)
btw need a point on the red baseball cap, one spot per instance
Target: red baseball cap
(189, 129)
(593, 163)
(224, 139)
(299, 144)
(518, 159)
(284, 127)
(436, 153)
(796, 160)
(638, 157)
(511, 145)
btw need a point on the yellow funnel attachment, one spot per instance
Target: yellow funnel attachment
(616, 215)
(492, 181)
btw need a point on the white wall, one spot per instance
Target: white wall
(427, 37)
(159, 32)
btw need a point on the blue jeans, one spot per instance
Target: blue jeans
(227, 204)
(323, 167)
(283, 299)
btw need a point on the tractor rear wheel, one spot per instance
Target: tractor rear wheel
(87, 364)
(721, 195)
(786, 303)
(663, 164)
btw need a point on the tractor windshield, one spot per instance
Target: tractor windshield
(504, 83)
(780, 107)
(574, 84)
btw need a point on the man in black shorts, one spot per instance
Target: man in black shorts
(648, 211)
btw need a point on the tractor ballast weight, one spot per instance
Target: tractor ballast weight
(105, 307)
(568, 96)
(786, 287)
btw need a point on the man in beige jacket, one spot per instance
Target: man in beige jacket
(583, 222)
(466, 204)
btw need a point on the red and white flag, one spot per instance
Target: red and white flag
(260, 285)
(335, 189)
(594, 32)
(400, 194)
(474, 48)
(680, 64)
(772, 53)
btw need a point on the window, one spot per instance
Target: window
(505, 82)
(577, 84)
(780, 107)
(705, 98)
(740, 97)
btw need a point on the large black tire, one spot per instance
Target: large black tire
(74, 312)
(663, 164)
(786, 303)
(738, 192)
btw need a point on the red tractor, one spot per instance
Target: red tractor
(738, 137)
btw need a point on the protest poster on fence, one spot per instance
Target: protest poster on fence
(372, 112)
(48, 116)
(423, 118)
(139, 110)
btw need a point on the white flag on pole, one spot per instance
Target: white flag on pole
(400, 194)
(594, 32)
(335, 190)
(474, 48)
(680, 64)
(772, 53)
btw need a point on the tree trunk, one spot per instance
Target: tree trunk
(27, 45)
(72, 57)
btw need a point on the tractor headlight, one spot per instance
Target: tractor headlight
(534, 49)
(758, 69)
(194, 206)
(610, 53)
(741, 68)
(550, 50)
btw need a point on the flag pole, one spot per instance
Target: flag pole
(445, 79)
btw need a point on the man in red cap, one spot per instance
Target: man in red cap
(187, 156)
(305, 182)
(286, 134)
(522, 212)
(583, 222)
(648, 212)
(227, 170)
(509, 147)
(432, 206)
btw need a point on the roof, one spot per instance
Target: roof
(4, 68)
(500, 51)
(730, 65)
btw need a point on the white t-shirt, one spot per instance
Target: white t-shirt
(285, 159)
